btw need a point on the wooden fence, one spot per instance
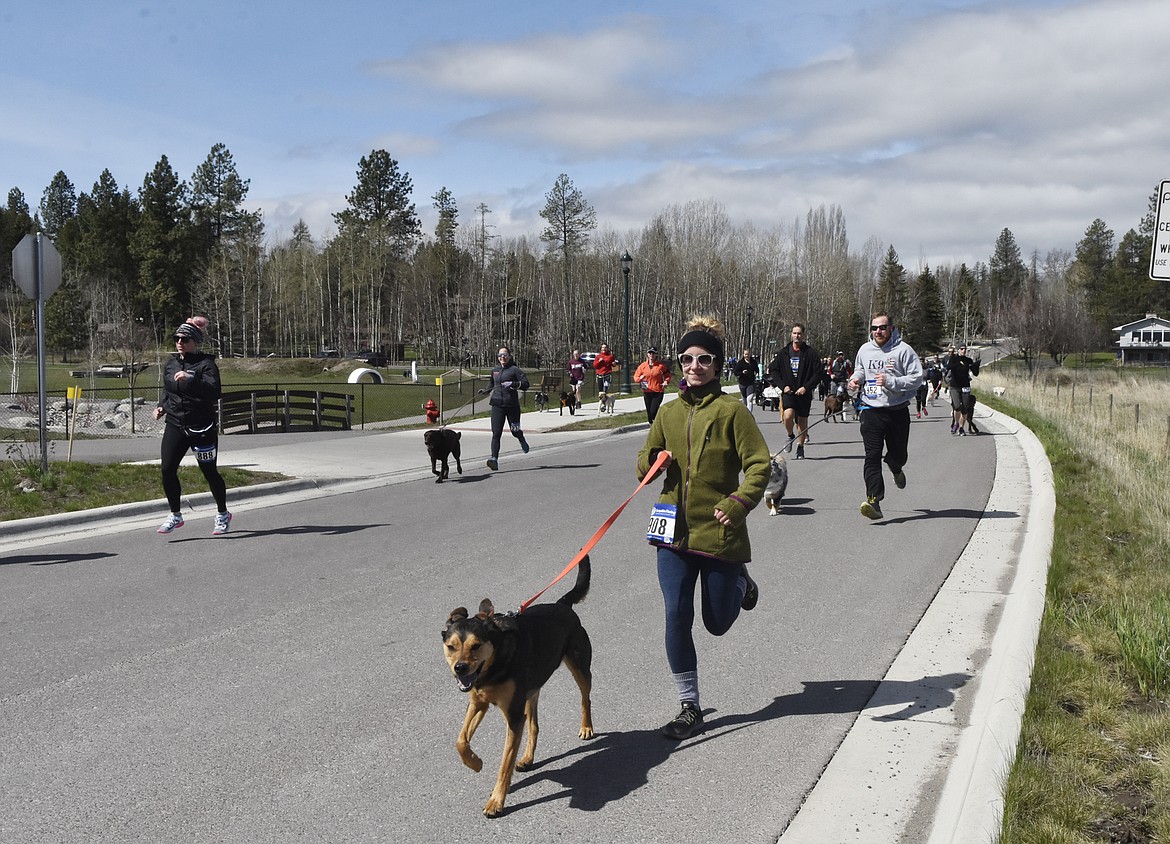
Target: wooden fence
(284, 410)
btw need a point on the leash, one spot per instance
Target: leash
(605, 526)
(458, 410)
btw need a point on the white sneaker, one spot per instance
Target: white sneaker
(223, 521)
(174, 520)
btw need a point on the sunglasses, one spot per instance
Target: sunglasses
(701, 360)
(885, 327)
(179, 339)
(503, 356)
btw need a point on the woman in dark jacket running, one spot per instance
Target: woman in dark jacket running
(507, 381)
(190, 394)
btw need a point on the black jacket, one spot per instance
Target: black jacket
(194, 402)
(746, 370)
(808, 372)
(506, 380)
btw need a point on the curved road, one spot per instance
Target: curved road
(285, 682)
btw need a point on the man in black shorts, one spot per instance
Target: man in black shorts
(796, 371)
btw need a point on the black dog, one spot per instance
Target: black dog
(441, 444)
(541, 400)
(569, 400)
(505, 659)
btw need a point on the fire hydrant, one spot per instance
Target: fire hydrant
(432, 411)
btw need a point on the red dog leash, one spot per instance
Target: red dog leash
(663, 456)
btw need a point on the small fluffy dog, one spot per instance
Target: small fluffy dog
(606, 402)
(505, 659)
(541, 400)
(777, 484)
(442, 443)
(569, 400)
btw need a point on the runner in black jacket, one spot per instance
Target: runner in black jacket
(796, 371)
(189, 401)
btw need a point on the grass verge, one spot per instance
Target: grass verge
(1092, 762)
(67, 487)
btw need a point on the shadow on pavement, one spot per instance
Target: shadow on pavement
(54, 559)
(614, 765)
(952, 513)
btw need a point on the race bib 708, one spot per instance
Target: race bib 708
(662, 520)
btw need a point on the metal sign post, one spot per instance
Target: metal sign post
(1160, 253)
(36, 269)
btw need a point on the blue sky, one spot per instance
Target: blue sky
(933, 124)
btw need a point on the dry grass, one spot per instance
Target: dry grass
(1092, 763)
(1120, 418)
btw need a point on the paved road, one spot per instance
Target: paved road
(285, 682)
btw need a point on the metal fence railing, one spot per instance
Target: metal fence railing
(125, 410)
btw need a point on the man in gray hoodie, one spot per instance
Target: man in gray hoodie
(887, 373)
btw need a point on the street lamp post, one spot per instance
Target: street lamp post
(626, 262)
(749, 327)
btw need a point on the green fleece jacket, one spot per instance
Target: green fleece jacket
(713, 439)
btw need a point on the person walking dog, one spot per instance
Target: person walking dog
(716, 473)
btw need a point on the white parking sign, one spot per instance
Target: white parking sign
(1160, 254)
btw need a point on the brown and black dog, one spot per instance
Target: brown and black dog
(834, 407)
(569, 400)
(441, 444)
(505, 659)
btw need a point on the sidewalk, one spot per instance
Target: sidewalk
(893, 778)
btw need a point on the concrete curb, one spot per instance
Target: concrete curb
(970, 808)
(64, 523)
(940, 779)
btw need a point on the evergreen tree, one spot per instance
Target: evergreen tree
(58, 205)
(381, 199)
(14, 225)
(1092, 272)
(217, 199)
(1134, 292)
(968, 318)
(927, 316)
(228, 243)
(106, 219)
(377, 231)
(892, 290)
(161, 245)
(444, 203)
(1007, 274)
(570, 218)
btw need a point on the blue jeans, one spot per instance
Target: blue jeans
(723, 591)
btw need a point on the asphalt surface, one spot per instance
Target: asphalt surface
(275, 685)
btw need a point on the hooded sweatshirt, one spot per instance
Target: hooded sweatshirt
(901, 366)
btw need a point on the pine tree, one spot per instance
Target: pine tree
(1008, 273)
(892, 293)
(927, 315)
(968, 318)
(58, 205)
(377, 231)
(161, 245)
(1093, 271)
(570, 218)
